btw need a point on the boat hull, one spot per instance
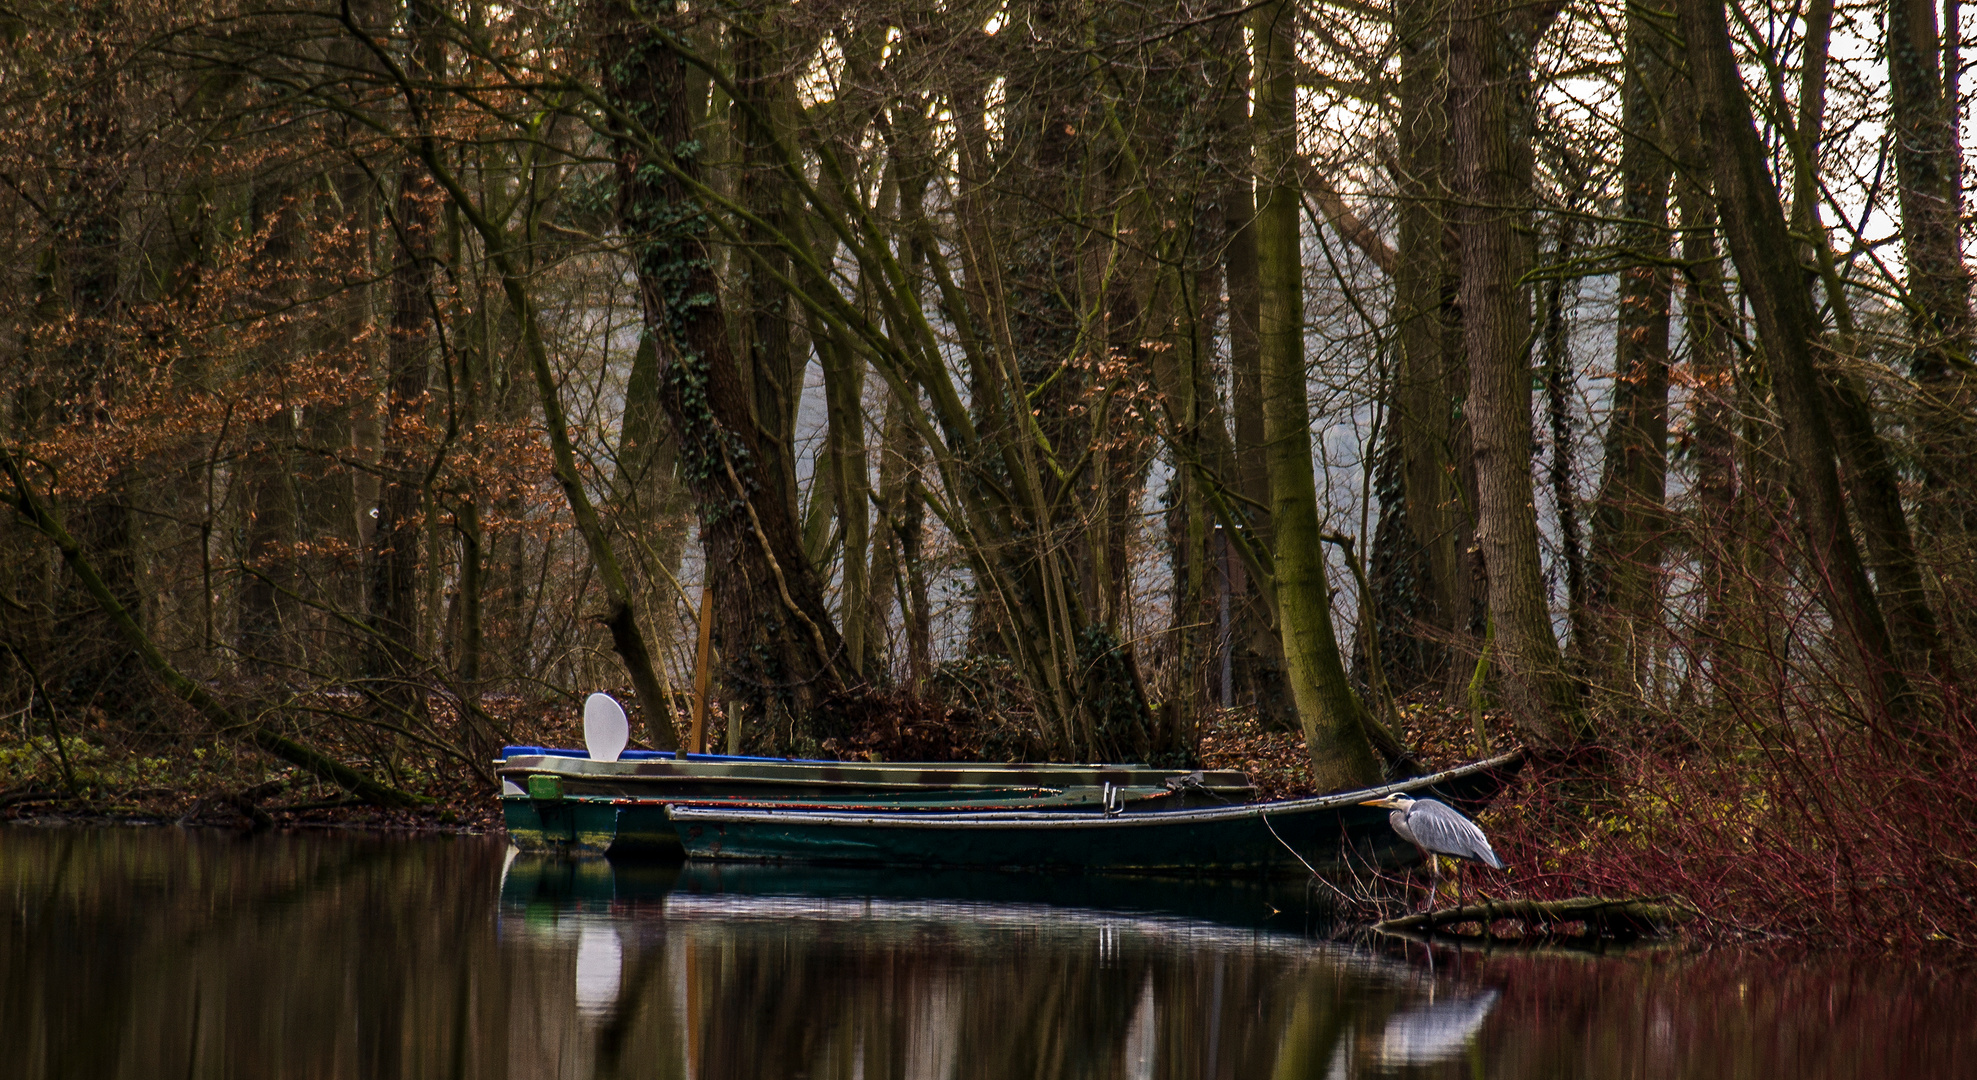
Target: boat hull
(560, 800)
(697, 776)
(641, 828)
(1289, 837)
(599, 826)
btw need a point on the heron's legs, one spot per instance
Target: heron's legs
(1434, 879)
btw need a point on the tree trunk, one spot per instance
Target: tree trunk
(1256, 650)
(395, 548)
(1341, 756)
(896, 570)
(90, 235)
(777, 642)
(1434, 480)
(850, 491)
(1929, 169)
(896, 545)
(1490, 126)
(769, 362)
(1720, 527)
(269, 629)
(1628, 520)
(1869, 478)
(1560, 384)
(1022, 528)
(1195, 418)
(1773, 281)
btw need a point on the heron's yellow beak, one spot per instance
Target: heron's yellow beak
(1378, 802)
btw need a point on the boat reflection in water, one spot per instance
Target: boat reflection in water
(765, 971)
(132, 954)
(600, 969)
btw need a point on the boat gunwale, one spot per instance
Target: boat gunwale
(889, 786)
(1134, 794)
(635, 756)
(690, 811)
(623, 769)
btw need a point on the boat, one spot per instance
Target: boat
(607, 799)
(547, 817)
(561, 800)
(1293, 836)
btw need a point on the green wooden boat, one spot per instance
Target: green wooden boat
(556, 799)
(662, 774)
(1285, 837)
(547, 818)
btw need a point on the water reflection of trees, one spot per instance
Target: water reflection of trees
(732, 990)
(158, 952)
(140, 954)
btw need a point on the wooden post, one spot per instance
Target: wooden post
(696, 739)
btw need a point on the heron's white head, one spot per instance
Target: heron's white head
(1396, 801)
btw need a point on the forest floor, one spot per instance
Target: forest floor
(1276, 761)
(98, 775)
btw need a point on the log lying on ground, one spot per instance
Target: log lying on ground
(1624, 917)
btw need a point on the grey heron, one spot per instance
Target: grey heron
(1437, 829)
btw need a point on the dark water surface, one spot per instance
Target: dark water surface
(158, 953)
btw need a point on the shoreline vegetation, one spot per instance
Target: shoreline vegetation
(1323, 390)
(247, 790)
(1730, 894)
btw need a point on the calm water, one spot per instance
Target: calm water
(154, 953)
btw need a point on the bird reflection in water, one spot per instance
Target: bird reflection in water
(1437, 1031)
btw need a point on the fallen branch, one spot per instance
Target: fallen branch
(241, 803)
(29, 795)
(1626, 917)
(321, 804)
(1350, 225)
